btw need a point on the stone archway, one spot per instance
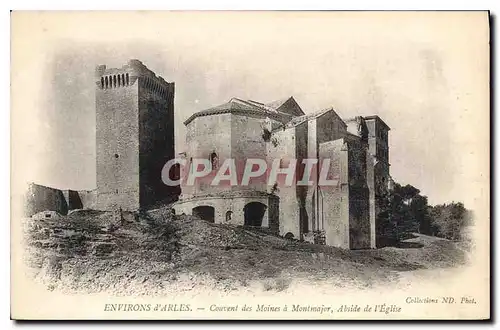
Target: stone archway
(204, 212)
(254, 214)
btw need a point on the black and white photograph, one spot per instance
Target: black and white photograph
(323, 165)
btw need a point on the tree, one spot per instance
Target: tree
(399, 213)
(449, 220)
(403, 211)
(420, 210)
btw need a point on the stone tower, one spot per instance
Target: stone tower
(134, 136)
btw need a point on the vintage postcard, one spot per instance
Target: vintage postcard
(250, 165)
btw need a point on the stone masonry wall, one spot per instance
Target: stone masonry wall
(330, 127)
(312, 191)
(378, 142)
(204, 136)
(283, 146)
(235, 206)
(247, 142)
(359, 198)
(301, 142)
(117, 139)
(156, 134)
(335, 213)
(370, 179)
(134, 136)
(41, 198)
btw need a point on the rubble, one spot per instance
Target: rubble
(159, 253)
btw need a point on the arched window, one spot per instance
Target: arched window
(106, 81)
(127, 79)
(119, 81)
(229, 216)
(102, 82)
(214, 160)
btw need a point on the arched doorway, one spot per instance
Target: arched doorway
(204, 212)
(254, 213)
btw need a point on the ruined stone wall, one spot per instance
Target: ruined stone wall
(41, 198)
(88, 198)
(73, 199)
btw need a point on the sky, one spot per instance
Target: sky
(425, 74)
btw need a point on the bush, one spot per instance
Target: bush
(449, 220)
(403, 211)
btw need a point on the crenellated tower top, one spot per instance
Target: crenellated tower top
(128, 74)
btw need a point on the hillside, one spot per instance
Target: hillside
(156, 253)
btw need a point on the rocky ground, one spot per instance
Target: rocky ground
(157, 253)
